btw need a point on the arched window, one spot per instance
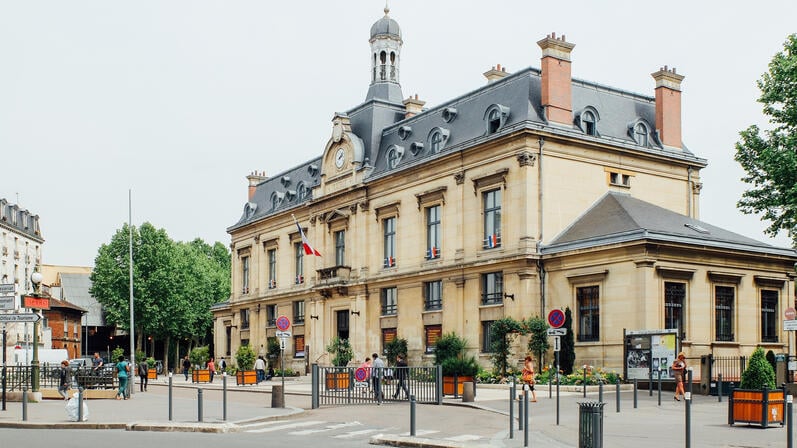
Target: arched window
(641, 134)
(437, 139)
(496, 116)
(302, 191)
(394, 154)
(589, 123)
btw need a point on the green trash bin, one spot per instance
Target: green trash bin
(590, 424)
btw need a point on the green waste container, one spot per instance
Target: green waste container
(590, 424)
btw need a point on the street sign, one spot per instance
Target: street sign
(6, 289)
(557, 343)
(790, 325)
(360, 374)
(283, 323)
(41, 303)
(23, 317)
(7, 303)
(557, 331)
(556, 318)
(282, 343)
(283, 334)
(790, 313)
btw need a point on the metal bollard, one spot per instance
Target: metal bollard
(635, 390)
(199, 404)
(719, 387)
(525, 418)
(512, 409)
(224, 396)
(520, 411)
(688, 416)
(659, 387)
(170, 396)
(24, 403)
(600, 391)
(789, 422)
(585, 381)
(617, 395)
(650, 383)
(80, 404)
(412, 415)
(550, 382)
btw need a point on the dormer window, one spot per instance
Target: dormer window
(394, 154)
(276, 199)
(404, 132)
(587, 120)
(286, 180)
(302, 191)
(449, 113)
(437, 139)
(496, 116)
(416, 148)
(312, 169)
(640, 134)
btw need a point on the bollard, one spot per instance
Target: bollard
(80, 404)
(688, 416)
(719, 387)
(456, 386)
(199, 404)
(24, 403)
(520, 411)
(277, 397)
(650, 383)
(550, 382)
(412, 415)
(468, 391)
(585, 381)
(789, 422)
(617, 395)
(170, 396)
(635, 389)
(224, 396)
(525, 418)
(512, 409)
(600, 391)
(659, 387)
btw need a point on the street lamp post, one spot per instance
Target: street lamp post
(36, 279)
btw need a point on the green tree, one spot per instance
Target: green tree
(567, 354)
(537, 328)
(398, 346)
(770, 157)
(759, 372)
(341, 351)
(502, 333)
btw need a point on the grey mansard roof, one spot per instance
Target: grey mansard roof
(381, 126)
(618, 218)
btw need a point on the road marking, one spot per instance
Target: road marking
(464, 438)
(353, 434)
(327, 428)
(288, 426)
(420, 432)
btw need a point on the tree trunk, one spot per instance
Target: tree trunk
(166, 344)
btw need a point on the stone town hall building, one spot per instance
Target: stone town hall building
(532, 192)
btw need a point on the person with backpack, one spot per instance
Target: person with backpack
(143, 374)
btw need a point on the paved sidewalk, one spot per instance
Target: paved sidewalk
(649, 425)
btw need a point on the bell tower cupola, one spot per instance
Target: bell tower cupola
(385, 60)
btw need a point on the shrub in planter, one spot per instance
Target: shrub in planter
(759, 372)
(460, 367)
(756, 401)
(245, 357)
(341, 351)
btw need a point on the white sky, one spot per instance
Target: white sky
(180, 100)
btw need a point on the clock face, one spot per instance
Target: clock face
(340, 157)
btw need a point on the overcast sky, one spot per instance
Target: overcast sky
(180, 100)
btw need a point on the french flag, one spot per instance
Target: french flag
(433, 252)
(492, 241)
(308, 249)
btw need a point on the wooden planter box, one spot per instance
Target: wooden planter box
(337, 380)
(243, 377)
(760, 407)
(200, 376)
(448, 384)
(152, 374)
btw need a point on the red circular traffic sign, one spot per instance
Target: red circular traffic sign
(790, 313)
(283, 323)
(556, 318)
(360, 374)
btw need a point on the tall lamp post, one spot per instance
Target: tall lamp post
(36, 279)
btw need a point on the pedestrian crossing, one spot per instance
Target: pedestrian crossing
(350, 430)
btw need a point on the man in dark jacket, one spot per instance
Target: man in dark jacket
(401, 377)
(143, 371)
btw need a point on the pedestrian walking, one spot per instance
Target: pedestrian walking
(212, 368)
(186, 366)
(122, 372)
(401, 377)
(63, 379)
(527, 376)
(678, 369)
(143, 374)
(222, 365)
(260, 368)
(377, 367)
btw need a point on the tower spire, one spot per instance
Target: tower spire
(385, 59)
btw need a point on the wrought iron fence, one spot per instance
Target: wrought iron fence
(731, 367)
(336, 386)
(19, 376)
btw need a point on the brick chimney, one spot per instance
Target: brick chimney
(668, 106)
(495, 73)
(556, 92)
(255, 178)
(414, 106)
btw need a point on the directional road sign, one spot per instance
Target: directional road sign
(557, 331)
(24, 317)
(283, 334)
(6, 289)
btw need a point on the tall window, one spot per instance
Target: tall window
(493, 121)
(641, 134)
(245, 275)
(389, 228)
(244, 319)
(298, 250)
(723, 313)
(487, 342)
(436, 141)
(272, 268)
(769, 315)
(388, 336)
(433, 295)
(389, 301)
(433, 232)
(492, 288)
(588, 313)
(298, 346)
(271, 315)
(492, 218)
(340, 247)
(674, 297)
(432, 333)
(298, 312)
(588, 118)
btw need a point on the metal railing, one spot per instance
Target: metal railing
(335, 386)
(19, 376)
